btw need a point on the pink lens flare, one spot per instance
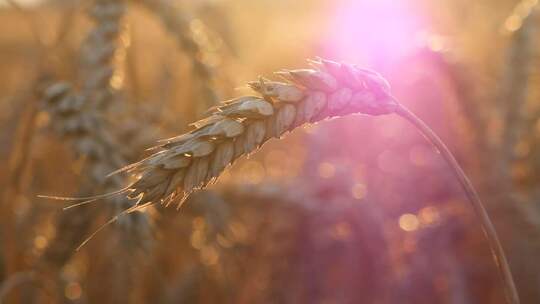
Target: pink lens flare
(376, 31)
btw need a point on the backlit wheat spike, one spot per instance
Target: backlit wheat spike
(179, 26)
(240, 126)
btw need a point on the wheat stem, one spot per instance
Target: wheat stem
(472, 195)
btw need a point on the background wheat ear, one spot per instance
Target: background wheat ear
(178, 24)
(238, 127)
(79, 117)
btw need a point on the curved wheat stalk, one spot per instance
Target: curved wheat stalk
(474, 198)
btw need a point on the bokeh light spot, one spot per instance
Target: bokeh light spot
(513, 23)
(359, 191)
(40, 242)
(428, 215)
(197, 239)
(117, 81)
(408, 222)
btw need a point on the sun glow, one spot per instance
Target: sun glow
(379, 30)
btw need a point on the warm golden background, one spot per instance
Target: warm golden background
(356, 210)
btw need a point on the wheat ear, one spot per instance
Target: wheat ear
(239, 126)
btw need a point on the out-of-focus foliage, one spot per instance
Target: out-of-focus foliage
(358, 210)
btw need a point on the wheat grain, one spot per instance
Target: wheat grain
(239, 126)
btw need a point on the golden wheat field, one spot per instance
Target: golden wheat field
(270, 151)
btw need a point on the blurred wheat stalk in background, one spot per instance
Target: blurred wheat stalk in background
(80, 116)
(179, 25)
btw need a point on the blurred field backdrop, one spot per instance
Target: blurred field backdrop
(356, 210)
